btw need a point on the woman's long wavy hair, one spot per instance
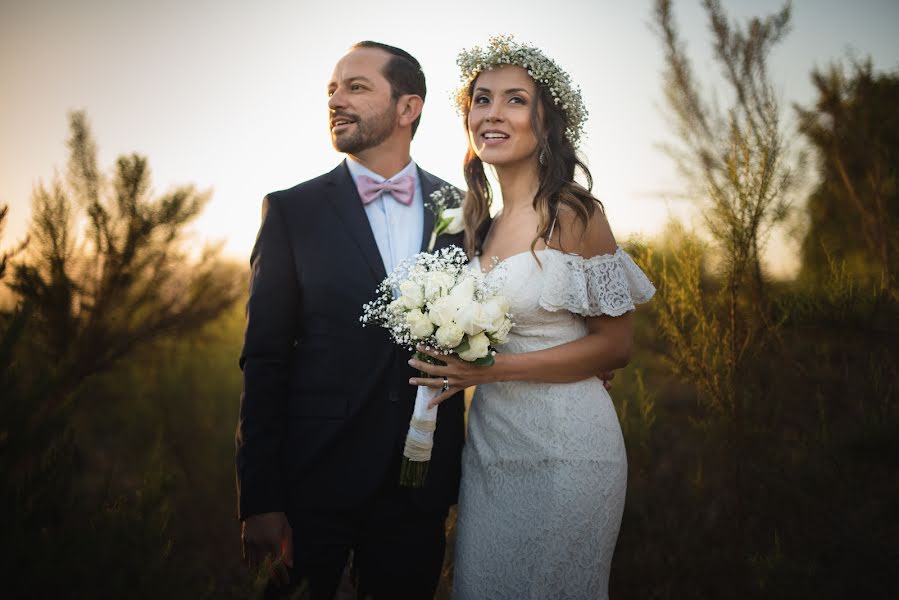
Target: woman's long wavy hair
(556, 174)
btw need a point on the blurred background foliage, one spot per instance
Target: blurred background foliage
(760, 415)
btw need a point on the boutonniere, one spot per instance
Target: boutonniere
(446, 204)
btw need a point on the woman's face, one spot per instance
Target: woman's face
(499, 121)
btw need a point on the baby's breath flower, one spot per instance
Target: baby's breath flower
(505, 50)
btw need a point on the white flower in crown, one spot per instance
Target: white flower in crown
(505, 50)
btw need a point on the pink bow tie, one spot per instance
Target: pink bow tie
(401, 188)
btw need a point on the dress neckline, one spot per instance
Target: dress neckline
(546, 249)
(506, 259)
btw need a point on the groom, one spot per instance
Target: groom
(326, 403)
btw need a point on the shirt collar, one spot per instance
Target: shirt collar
(357, 168)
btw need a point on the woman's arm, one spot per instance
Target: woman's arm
(605, 348)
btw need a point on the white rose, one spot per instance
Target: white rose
(449, 336)
(469, 317)
(493, 313)
(396, 306)
(420, 325)
(437, 283)
(464, 290)
(411, 294)
(456, 223)
(443, 310)
(478, 347)
(501, 334)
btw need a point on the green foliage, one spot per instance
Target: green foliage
(853, 213)
(737, 158)
(811, 515)
(59, 541)
(181, 411)
(128, 280)
(6, 255)
(763, 468)
(84, 517)
(734, 158)
(686, 310)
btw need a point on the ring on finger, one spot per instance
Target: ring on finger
(445, 383)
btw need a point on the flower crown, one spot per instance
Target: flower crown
(504, 50)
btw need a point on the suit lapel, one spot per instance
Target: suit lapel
(429, 185)
(344, 197)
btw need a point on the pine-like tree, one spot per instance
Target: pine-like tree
(853, 213)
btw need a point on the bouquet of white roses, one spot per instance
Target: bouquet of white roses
(434, 299)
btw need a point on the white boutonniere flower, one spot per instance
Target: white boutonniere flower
(453, 219)
(446, 204)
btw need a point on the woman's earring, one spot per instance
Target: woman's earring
(542, 158)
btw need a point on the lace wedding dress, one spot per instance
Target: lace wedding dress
(544, 466)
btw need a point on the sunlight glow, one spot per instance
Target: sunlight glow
(232, 97)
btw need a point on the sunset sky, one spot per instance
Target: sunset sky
(231, 95)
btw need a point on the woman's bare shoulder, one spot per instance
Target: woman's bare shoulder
(586, 239)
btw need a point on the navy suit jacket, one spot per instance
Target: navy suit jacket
(326, 403)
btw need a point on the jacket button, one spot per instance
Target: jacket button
(394, 397)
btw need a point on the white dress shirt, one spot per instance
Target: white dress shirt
(397, 227)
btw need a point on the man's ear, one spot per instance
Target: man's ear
(408, 108)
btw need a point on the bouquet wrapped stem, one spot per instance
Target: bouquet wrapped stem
(420, 439)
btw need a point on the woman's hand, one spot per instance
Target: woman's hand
(454, 377)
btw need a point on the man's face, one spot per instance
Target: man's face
(362, 110)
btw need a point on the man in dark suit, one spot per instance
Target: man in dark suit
(326, 403)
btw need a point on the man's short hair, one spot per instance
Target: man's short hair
(402, 71)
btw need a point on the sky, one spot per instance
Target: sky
(231, 96)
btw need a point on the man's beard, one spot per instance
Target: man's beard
(368, 134)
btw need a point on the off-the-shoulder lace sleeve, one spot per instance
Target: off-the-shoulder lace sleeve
(608, 284)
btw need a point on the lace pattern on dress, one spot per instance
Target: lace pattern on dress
(544, 468)
(608, 284)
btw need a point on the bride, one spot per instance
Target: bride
(544, 466)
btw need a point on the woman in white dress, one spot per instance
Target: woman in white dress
(544, 465)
